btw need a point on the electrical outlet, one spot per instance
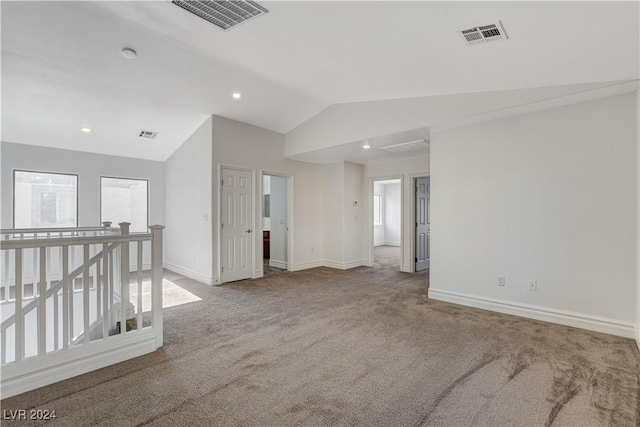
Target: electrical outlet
(501, 281)
(533, 285)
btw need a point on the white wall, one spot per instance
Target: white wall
(89, 168)
(333, 208)
(637, 115)
(406, 170)
(188, 206)
(353, 215)
(250, 147)
(392, 214)
(278, 221)
(549, 196)
(378, 230)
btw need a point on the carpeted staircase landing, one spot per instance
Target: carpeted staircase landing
(324, 347)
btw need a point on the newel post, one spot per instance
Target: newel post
(156, 281)
(124, 277)
(106, 224)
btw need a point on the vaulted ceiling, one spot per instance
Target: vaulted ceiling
(62, 68)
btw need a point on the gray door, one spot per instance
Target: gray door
(423, 223)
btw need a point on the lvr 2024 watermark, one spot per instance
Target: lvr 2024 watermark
(28, 414)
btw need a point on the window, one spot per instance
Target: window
(44, 200)
(125, 200)
(377, 209)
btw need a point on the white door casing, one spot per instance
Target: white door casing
(236, 244)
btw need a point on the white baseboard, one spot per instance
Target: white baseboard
(344, 265)
(278, 264)
(391, 243)
(638, 336)
(584, 321)
(307, 265)
(188, 273)
(37, 372)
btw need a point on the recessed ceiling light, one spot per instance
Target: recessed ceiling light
(85, 130)
(366, 145)
(129, 53)
(236, 95)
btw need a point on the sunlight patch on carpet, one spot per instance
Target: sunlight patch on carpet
(172, 295)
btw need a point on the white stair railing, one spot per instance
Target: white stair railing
(79, 306)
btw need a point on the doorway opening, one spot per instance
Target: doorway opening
(387, 223)
(275, 224)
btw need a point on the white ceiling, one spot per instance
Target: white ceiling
(355, 153)
(62, 69)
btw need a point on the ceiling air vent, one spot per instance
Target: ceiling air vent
(404, 147)
(484, 33)
(147, 134)
(223, 14)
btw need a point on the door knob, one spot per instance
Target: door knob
(248, 230)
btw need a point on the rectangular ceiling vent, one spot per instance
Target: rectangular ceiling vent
(404, 147)
(223, 14)
(148, 134)
(484, 33)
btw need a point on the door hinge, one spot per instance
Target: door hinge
(416, 259)
(222, 269)
(221, 225)
(222, 183)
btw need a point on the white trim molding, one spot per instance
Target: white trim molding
(584, 321)
(278, 264)
(188, 273)
(344, 265)
(58, 366)
(307, 265)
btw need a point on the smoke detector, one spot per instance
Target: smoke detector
(148, 134)
(223, 14)
(483, 33)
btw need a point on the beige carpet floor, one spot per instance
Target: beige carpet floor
(324, 347)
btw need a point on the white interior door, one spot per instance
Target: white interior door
(423, 223)
(237, 225)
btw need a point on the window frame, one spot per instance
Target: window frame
(129, 179)
(13, 196)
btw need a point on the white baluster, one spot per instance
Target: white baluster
(106, 323)
(67, 326)
(156, 281)
(85, 293)
(42, 304)
(139, 321)
(124, 272)
(19, 328)
(56, 321)
(98, 293)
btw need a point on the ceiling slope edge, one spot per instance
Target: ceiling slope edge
(344, 123)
